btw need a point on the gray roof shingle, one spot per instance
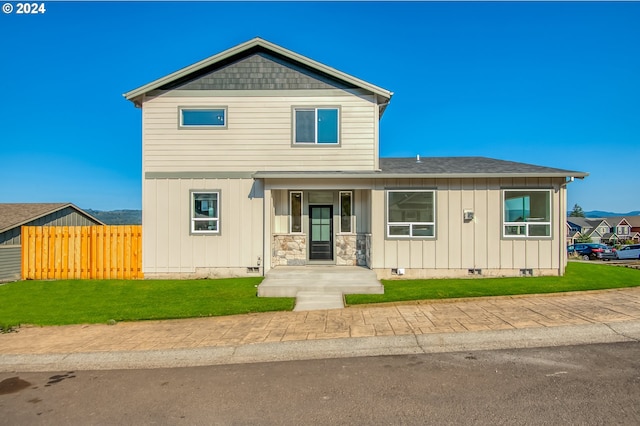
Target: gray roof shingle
(16, 214)
(466, 166)
(436, 167)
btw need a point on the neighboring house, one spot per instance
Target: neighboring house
(260, 158)
(14, 216)
(572, 235)
(624, 227)
(596, 229)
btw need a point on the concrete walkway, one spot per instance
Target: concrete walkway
(417, 327)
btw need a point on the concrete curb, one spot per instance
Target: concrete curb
(628, 331)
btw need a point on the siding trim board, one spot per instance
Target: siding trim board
(302, 93)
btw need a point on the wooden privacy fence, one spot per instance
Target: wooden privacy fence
(82, 252)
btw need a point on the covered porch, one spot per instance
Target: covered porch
(315, 223)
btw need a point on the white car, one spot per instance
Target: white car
(629, 252)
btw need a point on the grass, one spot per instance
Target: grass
(95, 301)
(578, 277)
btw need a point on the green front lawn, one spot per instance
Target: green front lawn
(578, 277)
(93, 301)
(98, 301)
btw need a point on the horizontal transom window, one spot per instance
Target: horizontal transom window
(527, 213)
(203, 117)
(411, 214)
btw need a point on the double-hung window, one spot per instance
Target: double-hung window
(527, 213)
(316, 125)
(205, 212)
(411, 214)
(203, 117)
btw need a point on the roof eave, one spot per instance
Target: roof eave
(386, 175)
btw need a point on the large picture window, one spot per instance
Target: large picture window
(316, 126)
(411, 214)
(527, 213)
(205, 212)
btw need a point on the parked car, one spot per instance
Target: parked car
(593, 251)
(629, 252)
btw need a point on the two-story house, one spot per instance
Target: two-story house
(259, 158)
(598, 230)
(623, 228)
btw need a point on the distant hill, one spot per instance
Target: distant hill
(117, 217)
(601, 213)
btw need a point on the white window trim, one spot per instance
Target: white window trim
(193, 219)
(526, 224)
(315, 110)
(291, 231)
(410, 224)
(352, 231)
(181, 125)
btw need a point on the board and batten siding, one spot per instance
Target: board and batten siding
(10, 263)
(258, 134)
(169, 248)
(476, 244)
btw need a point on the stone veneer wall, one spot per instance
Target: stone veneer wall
(367, 248)
(289, 250)
(352, 250)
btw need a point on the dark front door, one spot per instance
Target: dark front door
(321, 226)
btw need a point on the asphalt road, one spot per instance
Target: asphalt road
(588, 384)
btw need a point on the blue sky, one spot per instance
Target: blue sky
(554, 84)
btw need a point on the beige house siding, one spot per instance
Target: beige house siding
(478, 244)
(258, 134)
(169, 248)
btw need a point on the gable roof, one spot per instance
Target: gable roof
(17, 214)
(245, 49)
(586, 223)
(633, 221)
(438, 167)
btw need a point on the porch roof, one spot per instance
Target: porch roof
(434, 167)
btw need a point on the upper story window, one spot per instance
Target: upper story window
(203, 117)
(316, 125)
(527, 213)
(411, 214)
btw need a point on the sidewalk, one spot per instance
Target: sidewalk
(516, 321)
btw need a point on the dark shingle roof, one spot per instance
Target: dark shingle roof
(16, 214)
(467, 166)
(436, 167)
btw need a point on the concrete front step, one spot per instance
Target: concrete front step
(313, 300)
(288, 281)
